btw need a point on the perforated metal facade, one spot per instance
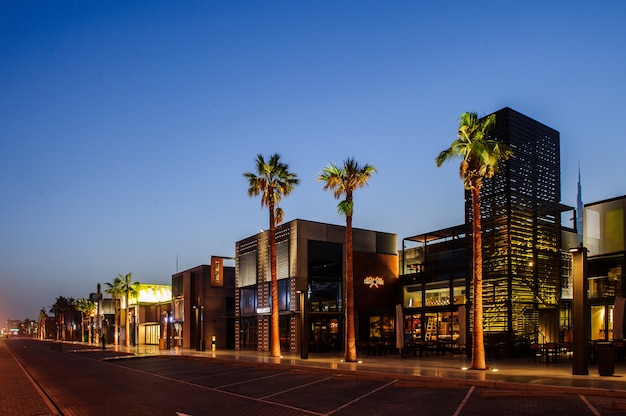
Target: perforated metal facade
(521, 234)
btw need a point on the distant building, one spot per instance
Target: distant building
(14, 327)
(147, 310)
(203, 306)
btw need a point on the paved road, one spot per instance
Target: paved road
(94, 382)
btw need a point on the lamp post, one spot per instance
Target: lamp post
(199, 327)
(202, 348)
(168, 320)
(580, 313)
(136, 327)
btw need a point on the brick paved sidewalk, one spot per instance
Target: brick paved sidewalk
(19, 395)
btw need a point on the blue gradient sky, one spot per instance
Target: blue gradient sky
(126, 126)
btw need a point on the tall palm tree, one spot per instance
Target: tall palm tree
(42, 323)
(61, 306)
(272, 180)
(115, 290)
(343, 181)
(85, 307)
(130, 289)
(479, 156)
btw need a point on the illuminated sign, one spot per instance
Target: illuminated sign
(374, 281)
(148, 293)
(334, 326)
(263, 310)
(217, 271)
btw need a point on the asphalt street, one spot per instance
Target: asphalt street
(84, 380)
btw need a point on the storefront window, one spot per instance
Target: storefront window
(375, 332)
(604, 227)
(283, 295)
(438, 294)
(248, 301)
(152, 334)
(412, 296)
(458, 292)
(325, 276)
(602, 287)
(325, 295)
(413, 327)
(601, 325)
(442, 326)
(431, 326)
(381, 327)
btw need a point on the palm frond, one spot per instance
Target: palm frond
(344, 180)
(479, 154)
(272, 181)
(345, 207)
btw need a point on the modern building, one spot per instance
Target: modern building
(434, 286)
(147, 310)
(310, 259)
(522, 251)
(203, 308)
(603, 236)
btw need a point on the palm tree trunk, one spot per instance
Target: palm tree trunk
(350, 347)
(275, 329)
(478, 344)
(127, 332)
(116, 324)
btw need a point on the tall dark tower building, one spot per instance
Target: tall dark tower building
(521, 226)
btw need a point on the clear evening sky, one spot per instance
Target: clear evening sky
(126, 126)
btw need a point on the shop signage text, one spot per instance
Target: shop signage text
(374, 281)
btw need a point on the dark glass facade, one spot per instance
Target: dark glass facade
(325, 323)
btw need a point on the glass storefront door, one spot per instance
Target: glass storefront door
(325, 334)
(248, 337)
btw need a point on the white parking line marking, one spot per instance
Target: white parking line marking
(296, 388)
(589, 405)
(362, 396)
(213, 375)
(457, 412)
(241, 396)
(249, 381)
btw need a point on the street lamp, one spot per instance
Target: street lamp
(580, 313)
(199, 327)
(168, 321)
(136, 326)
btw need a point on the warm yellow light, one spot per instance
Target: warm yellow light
(154, 294)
